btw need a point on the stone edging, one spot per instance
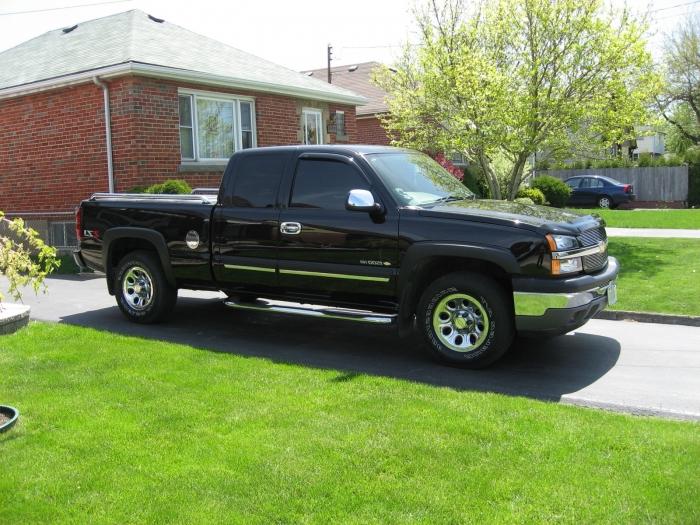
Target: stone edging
(13, 317)
(644, 317)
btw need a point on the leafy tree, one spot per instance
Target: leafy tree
(680, 102)
(24, 258)
(508, 78)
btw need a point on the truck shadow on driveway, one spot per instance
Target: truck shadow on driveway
(540, 369)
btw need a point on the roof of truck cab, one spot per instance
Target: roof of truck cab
(358, 149)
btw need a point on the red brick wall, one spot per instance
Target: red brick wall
(52, 149)
(370, 131)
(52, 144)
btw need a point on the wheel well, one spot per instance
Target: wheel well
(118, 249)
(435, 267)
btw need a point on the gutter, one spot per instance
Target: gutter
(108, 132)
(153, 71)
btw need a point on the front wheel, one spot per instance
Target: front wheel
(143, 292)
(466, 319)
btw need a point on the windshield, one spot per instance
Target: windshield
(415, 179)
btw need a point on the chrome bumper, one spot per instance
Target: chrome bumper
(531, 303)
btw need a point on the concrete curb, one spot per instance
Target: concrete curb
(644, 317)
(13, 317)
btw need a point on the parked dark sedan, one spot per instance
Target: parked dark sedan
(596, 190)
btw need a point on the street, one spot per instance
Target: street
(639, 368)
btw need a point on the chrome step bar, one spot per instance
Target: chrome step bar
(284, 307)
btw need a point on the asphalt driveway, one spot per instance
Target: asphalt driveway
(632, 367)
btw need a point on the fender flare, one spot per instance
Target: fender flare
(418, 254)
(151, 236)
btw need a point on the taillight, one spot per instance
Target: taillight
(79, 223)
(627, 188)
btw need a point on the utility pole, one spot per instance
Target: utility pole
(330, 55)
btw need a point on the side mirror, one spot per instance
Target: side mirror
(362, 200)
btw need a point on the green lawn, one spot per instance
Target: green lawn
(125, 430)
(658, 275)
(684, 219)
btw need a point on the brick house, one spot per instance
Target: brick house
(358, 78)
(129, 100)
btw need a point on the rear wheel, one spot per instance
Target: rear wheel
(466, 319)
(605, 202)
(142, 290)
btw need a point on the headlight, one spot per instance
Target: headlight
(559, 243)
(567, 265)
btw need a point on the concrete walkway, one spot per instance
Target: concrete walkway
(669, 233)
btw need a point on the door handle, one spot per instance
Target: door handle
(290, 228)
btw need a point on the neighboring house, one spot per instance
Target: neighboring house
(358, 78)
(649, 141)
(178, 105)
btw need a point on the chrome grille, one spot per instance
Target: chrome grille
(592, 237)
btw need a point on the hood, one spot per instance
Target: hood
(514, 214)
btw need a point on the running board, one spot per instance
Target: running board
(283, 307)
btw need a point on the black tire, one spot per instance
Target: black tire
(602, 202)
(143, 270)
(488, 307)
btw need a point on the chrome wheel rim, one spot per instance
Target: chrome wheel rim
(137, 288)
(604, 202)
(460, 322)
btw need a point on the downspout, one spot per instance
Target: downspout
(108, 132)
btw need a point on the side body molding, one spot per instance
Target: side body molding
(126, 232)
(420, 254)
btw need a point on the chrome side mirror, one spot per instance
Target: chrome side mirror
(362, 200)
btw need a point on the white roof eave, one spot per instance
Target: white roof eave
(170, 73)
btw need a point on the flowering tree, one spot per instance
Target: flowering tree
(508, 78)
(24, 258)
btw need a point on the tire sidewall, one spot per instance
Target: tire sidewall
(152, 311)
(492, 299)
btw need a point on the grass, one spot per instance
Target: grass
(658, 275)
(683, 219)
(117, 429)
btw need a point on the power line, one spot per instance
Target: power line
(62, 8)
(673, 6)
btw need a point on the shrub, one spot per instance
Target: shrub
(535, 195)
(645, 160)
(694, 185)
(523, 200)
(24, 258)
(555, 191)
(170, 187)
(692, 155)
(659, 162)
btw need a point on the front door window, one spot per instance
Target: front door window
(313, 127)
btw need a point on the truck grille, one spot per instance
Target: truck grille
(592, 237)
(598, 261)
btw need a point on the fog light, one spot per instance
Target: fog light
(570, 265)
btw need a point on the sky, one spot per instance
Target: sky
(291, 33)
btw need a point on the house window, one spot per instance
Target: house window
(340, 123)
(213, 127)
(313, 126)
(62, 235)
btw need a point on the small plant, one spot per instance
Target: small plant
(534, 194)
(523, 200)
(555, 191)
(170, 187)
(24, 258)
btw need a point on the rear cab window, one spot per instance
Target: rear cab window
(256, 180)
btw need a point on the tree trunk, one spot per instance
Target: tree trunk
(490, 176)
(516, 175)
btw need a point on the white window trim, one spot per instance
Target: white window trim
(319, 114)
(237, 139)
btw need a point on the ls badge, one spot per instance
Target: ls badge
(192, 240)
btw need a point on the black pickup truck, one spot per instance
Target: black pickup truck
(363, 233)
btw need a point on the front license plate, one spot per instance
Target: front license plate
(612, 293)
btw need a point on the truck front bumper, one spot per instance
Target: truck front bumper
(557, 306)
